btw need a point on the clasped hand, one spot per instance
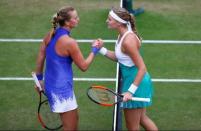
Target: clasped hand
(96, 45)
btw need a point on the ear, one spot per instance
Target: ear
(67, 23)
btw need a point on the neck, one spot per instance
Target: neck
(68, 28)
(122, 30)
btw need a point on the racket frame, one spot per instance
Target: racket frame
(119, 96)
(40, 92)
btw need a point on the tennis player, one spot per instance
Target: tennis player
(59, 50)
(136, 81)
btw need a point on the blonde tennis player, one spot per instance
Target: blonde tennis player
(136, 81)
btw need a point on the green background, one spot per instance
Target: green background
(176, 106)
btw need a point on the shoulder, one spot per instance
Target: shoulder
(65, 39)
(47, 38)
(131, 39)
(68, 43)
(131, 36)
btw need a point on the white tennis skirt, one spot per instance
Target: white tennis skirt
(63, 105)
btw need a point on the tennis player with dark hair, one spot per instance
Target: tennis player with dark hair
(59, 50)
(136, 81)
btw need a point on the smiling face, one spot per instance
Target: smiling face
(112, 23)
(74, 19)
(68, 17)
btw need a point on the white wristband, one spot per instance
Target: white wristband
(132, 89)
(103, 51)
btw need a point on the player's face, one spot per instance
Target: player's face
(73, 22)
(112, 23)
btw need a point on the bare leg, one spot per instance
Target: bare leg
(70, 120)
(132, 118)
(147, 123)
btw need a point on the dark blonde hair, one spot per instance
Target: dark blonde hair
(60, 18)
(125, 15)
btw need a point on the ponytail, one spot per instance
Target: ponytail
(59, 19)
(54, 24)
(52, 31)
(133, 25)
(125, 15)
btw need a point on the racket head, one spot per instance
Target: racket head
(47, 118)
(102, 95)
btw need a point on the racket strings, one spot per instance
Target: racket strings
(102, 96)
(51, 120)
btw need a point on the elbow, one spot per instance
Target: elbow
(143, 69)
(83, 66)
(83, 69)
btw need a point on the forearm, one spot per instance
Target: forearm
(139, 76)
(107, 53)
(82, 63)
(40, 59)
(89, 60)
(40, 63)
(111, 55)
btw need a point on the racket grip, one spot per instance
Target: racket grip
(36, 81)
(141, 99)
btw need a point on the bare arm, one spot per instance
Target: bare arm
(41, 55)
(111, 55)
(107, 53)
(131, 47)
(82, 64)
(41, 59)
(74, 51)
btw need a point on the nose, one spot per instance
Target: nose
(106, 21)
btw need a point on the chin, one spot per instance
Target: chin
(109, 27)
(75, 26)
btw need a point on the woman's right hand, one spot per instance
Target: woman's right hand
(97, 43)
(42, 86)
(96, 46)
(100, 43)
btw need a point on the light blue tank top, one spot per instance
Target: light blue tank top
(58, 72)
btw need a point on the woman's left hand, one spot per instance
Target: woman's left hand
(127, 96)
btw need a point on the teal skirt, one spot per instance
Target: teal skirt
(145, 88)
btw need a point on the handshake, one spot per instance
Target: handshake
(96, 46)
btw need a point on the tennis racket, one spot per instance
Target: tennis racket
(107, 97)
(46, 117)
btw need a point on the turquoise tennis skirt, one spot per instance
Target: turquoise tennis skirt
(145, 88)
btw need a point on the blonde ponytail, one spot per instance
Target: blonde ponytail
(133, 25)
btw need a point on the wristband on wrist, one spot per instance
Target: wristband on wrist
(95, 50)
(103, 51)
(39, 76)
(132, 89)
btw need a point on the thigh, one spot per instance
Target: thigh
(70, 119)
(132, 118)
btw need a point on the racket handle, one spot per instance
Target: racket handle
(36, 81)
(140, 99)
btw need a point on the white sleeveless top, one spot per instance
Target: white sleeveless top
(122, 57)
